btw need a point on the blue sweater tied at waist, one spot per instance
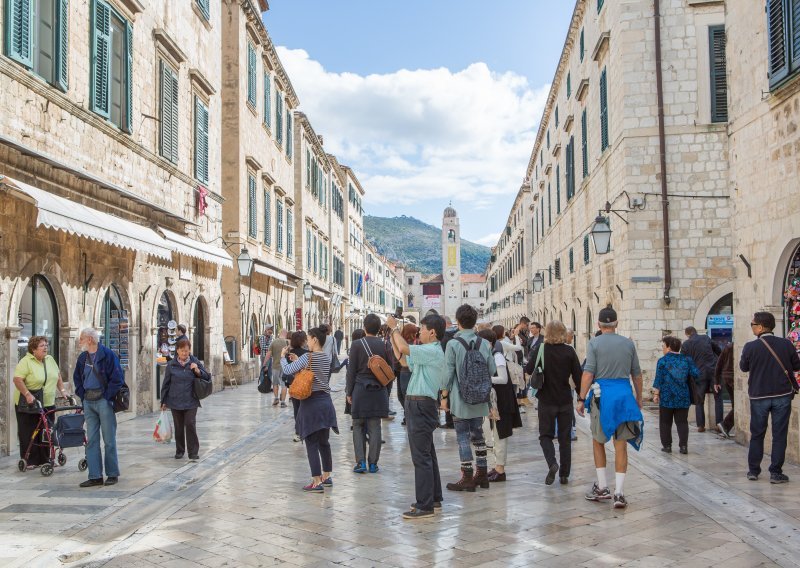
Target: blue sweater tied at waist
(617, 405)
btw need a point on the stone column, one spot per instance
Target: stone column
(8, 421)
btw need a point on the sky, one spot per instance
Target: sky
(428, 101)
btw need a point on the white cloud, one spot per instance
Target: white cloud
(424, 134)
(489, 240)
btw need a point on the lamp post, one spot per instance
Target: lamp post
(538, 282)
(601, 235)
(308, 292)
(244, 263)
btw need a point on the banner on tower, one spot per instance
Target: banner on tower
(451, 255)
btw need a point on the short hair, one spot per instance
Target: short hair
(672, 342)
(357, 334)
(436, 323)
(690, 330)
(319, 333)
(765, 320)
(298, 339)
(488, 335)
(466, 316)
(35, 341)
(183, 342)
(324, 328)
(555, 332)
(409, 332)
(499, 331)
(524, 319)
(448, 322)
(607, 325)
(536, 324)
(372, 324)
(91, 333)
(182, 328)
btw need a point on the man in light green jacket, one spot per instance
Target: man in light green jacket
(468, 418)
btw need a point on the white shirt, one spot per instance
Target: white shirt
(502, 371)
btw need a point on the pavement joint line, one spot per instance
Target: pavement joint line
(186, 483)
(694, 486)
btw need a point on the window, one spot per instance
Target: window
(549, 206)
(205, 9)
(570, 168)
(267, 101)
(251, 74)
(571, 261)
(603, 112)
(37, 36)
(569, 85)
(316, 254)
(599, 5)
(557, 269)
(584, 145)
(111, 63)
(718, 69)
(548, 139)
(308, 249)
(112, 302)
(289, 133)
(168, 103)
(278, 118)
(558, 189)
(200, 140)
(289, 232)
(556, 122)
(582, 46)
(586, 249)
(267, 219)
(38, 314)
(783, 28)
(252, 222)
(279, 215)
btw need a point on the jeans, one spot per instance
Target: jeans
(186, 431)
(549, 417)
(701, 388)
(360, 439)
(422, 420)
(318, 449)
(402, 385)
(100, 419)
(470, 430)
(727, 423)
(760, 409)
(665, 418)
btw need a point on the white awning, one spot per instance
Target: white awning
(190, 247)
(62, 214)
(322, 296)
(267, 271)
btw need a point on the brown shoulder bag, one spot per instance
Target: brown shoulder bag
(378, 366)
(303, 382)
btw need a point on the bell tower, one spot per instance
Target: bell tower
(451, 263)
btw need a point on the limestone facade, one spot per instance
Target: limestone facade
(764, 106)
(120, 151)
(604, 99)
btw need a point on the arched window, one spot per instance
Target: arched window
(111, 303)
(199, 334)
(163, 316)
(38, 315)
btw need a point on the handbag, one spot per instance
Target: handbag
(202, 387)
(792, 382)
(38, 395)
(378, 366)
(537, 377)
(264, 382)
(516, 373)
(303, 382)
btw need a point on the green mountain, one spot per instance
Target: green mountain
(419, 245)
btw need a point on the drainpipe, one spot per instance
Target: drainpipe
(662, 144)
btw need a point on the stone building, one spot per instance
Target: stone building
(598, 152)
(355, 253)
(258, 175)
(340, 305)
(110, 188)
(764, 111)
(473, 291)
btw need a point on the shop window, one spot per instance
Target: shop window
(38, 315)
(112, 302)
(199, 333)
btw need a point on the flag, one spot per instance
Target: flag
(358, 285)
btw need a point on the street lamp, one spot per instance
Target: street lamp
(308, 292)
(601, 235)
(518, 298)
(245, 264)
(538, 282)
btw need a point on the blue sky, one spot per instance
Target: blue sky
(427, 100)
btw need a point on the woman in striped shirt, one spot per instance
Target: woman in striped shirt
(316, 414)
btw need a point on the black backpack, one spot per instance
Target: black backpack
(474, 381)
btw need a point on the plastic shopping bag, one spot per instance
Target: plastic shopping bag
(163, 432)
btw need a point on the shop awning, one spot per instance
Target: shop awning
(61, 214)
(196, 249)
(322, 296)
(267, 271)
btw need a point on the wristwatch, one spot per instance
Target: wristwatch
(581, 399)
(444, 397)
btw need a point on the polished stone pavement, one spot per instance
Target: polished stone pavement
(241, 505)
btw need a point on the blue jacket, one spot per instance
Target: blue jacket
(767, 378)
(617, 405)
(177, 390)
(106, 367)
(672, 380)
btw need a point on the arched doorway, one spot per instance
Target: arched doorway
(719, 321)
(38, 315)
(253, 336)
(199, 333)
(112, 308)
(164, 314)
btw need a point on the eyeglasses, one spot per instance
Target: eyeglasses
(752, 323)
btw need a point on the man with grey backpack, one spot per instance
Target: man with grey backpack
(469, 367)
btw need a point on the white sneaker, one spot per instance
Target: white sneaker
(296, 438)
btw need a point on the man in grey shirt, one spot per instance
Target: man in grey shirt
(611, 363)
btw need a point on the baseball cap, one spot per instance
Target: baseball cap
(607, 315)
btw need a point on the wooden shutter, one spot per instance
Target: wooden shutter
(719, 79)
(777, 34)
(62, 44)
(252, 221)
(603, 111)
(19, 31)
(558, 189)
(583, 50)
(289, 232)
(200, 140)
(795, 8)
(267, 100)
(599, 5)
(101, 59)
(571, 261)
(279, 222)
(169, 113)
(586, 249)
(570, 167)
(268, 220)
(569, 84)
(278, 118)
(549, 206)
(251, 74)
(289, 134)
(127, 123)
(584, 144)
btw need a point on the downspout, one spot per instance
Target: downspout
(662, 144)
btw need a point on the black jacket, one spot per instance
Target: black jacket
(560, 363)
(703, 352)
(177, 391)
(768, 378)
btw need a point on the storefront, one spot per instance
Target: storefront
(791, 300)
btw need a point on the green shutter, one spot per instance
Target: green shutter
(795, 34)
(586, 249)
(267, 100)
(583, 50)
(169, 113)
(603, 112)
(62, 44)
(252, 220)
(278, 118)
(777, 38)
(127, 123)
(718, 68)
(584, 144)
(570, 168)
(569, 85)
(101, 59)
(558, 189)
(289, 232)
(268, 220)
(549, 206)
(19, 31)
(279, 222)
(556, 118)
(571, 261)
(251, 74)
(599, 5)
(308, 167)
(289, 134)
(200, 141)
(205, 9)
